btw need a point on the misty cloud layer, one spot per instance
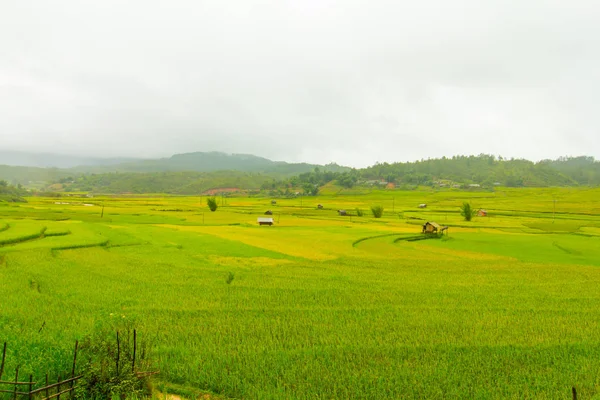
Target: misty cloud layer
(348, 81)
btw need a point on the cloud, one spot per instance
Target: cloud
(349, 81)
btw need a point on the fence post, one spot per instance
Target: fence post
(118, 352)
(134, 351)
(3, 358)
(574, 393)
(47, 393)
(58, 388)
(73, 369)
(30, 386)
(16, 380)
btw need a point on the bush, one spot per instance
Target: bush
(100, 356)
(467, 211)
(377, 211)
(212, 203)
(359, 212)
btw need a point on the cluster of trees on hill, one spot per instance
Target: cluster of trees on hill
(311, 181)
(485, 170)
(11, 193)
(583, 170)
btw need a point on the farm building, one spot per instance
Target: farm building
(320, 206)
(431, 227)
(268, 212)
(434, 228)
(265, 221)
(482, 213)
(273, 202)
(342, 212)
(423, 205)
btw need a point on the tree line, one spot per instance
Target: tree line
(11, 193)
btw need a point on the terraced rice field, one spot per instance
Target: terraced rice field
(319, 305)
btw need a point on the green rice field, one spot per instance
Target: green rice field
(318, 306)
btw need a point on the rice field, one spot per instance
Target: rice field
(318, 306)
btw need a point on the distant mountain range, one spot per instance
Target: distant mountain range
(210, 161)
(22, 167)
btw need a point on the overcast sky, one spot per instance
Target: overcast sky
(353, 82)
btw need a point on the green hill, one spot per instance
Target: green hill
(210, 161)
(173, 182)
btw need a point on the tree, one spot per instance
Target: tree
(310, 189)
(377, 211)
(212, 203)
(347, 180)
(467, 211)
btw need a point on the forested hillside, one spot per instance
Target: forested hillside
(160, 182)
(484, 170)
(584, 170)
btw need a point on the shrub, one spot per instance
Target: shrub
(377, 211)
(108, 370)
(212, 203)
(359, 212)
(467, 211)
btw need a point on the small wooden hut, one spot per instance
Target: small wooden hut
(268, 212)
(320, 206)
(342, 212)
(431, 227)
(423, 205)
(273, 202)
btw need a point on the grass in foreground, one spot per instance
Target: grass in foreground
(494, 311)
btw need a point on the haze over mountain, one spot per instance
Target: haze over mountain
(197, 161)
(349, 81)
(51, 160)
